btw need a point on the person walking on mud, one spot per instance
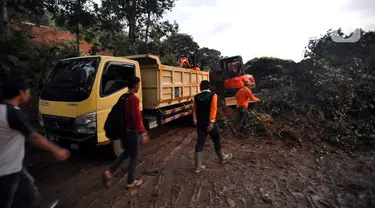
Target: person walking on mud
(243, 97)
(135, 132)
(205, 110)
(15, 128)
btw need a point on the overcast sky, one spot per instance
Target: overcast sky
(280, 28)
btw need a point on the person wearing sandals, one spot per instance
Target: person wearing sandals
(15, 130)
(204, 116)
(136, 133)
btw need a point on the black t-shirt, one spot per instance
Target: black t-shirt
(18, 120)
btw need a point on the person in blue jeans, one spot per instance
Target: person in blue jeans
(15, 129)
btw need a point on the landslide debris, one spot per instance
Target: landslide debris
(329, 96)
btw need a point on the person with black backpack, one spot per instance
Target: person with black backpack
(125, 123)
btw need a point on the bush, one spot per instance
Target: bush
(22, 57)
(262, 67)
(333, 87)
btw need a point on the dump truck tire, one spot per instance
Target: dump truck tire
(117, 147)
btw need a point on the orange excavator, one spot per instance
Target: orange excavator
(227, 80)
(230, 78)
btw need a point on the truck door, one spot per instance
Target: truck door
(113, 84)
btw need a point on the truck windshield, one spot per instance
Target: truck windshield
(71, 80)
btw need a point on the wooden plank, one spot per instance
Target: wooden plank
(230, 101)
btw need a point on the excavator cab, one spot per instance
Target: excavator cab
(229, 78)
(231, 67)
(232, 71)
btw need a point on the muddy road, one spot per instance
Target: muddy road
(263, 173)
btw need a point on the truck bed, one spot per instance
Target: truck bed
(163, 85)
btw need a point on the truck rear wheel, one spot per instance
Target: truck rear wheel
(117, 147)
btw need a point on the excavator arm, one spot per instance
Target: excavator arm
(185, 61)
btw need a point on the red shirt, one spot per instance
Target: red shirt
(133, 116)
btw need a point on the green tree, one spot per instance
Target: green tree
(142, 19)
(162, 31)
(251, 61)
(152, 11)
(181, 45)
(16, 11)
(128, 12)
(117, 42)
(340, 53)
(20, 56)
(75, 15)
(209, 58)
(170, 59)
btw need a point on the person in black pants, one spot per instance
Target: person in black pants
(131, 145)
(15, 129)
(135, 134)
(205, 110)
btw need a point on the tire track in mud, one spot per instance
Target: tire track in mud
(97, 189)
(162, 187)
(178, 185)
(76, 180)
(162, 153)
(110, 197)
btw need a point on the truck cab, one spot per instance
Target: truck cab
(79, 93)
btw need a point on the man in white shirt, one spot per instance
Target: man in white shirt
(15, 129)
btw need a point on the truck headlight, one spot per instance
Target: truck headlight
(85, 124)
(40, 119)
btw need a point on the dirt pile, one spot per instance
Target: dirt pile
(258, 124)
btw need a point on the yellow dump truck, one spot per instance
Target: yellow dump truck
(79, 93)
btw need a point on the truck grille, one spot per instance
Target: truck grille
(58, 123)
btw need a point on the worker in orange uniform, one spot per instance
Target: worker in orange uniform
(205, 110)
(243, 97)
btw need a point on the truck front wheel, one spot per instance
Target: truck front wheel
(117, 147)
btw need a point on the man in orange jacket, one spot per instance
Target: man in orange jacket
(205, 110)
(243, 97)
